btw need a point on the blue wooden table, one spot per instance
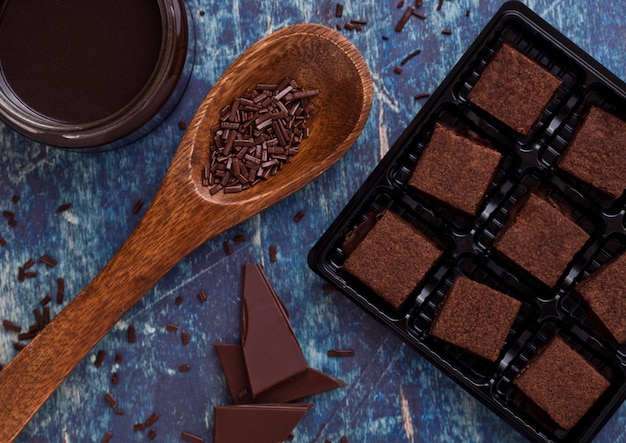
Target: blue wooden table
(393, 395)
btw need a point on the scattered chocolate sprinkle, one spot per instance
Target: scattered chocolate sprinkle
(15, 198)
(20, 274)
(340, 353)
(349, 26)
(137, 206)
(171, 328)
(385, 37)
(447, 32)
(8, 324)
(107, 437)
(467, 13)
(439, 5)
(139, 427)
(131, 334)
(404, 19)
(60, 290)
(18, 346)
(30, 274)
(115, 378)
(358, 21)
(184, 337)
(202, 296)
(240, 239)
(273, 253)
(398, 69)
(421, 95)
(152, 434)
(338, 10)
(228, 250)
(119, 411)
(44, 301)
(184, 368)
(400, 4)
(47, 260)
(410, 56)
(38, 318)
(118, 358)
(29, 263)
(64, 207)
(178, 300)
(298, 216)
(8, 214)
(12, 222)
(99, 358)
(182, 124)
(202, 13)
(344, 439)
(3, 242)
(152, 419)
(187, 436)
(110, 399)
(27, 335)
(46, 315)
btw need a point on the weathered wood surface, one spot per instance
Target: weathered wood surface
(393, 394)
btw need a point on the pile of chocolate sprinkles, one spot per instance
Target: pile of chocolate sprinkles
(258, 133)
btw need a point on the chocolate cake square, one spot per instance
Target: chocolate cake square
(455, 169)
(541, 239)
(605, 292)
(514, 88)
(392, 258)
(596, 155)
(476, 317)
(562, 383)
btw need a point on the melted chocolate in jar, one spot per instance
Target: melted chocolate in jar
(79, 61)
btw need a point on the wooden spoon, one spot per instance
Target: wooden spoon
(185, 215)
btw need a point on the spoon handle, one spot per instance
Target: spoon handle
(164, 236)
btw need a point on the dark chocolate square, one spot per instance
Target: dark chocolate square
(596, 155)
(562, 383)
(541, 239)
(392, 259)
(514, 88)
(476, 317)
(455, 169)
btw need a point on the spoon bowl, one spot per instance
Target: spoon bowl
(184, 214)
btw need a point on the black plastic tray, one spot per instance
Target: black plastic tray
(530, 163)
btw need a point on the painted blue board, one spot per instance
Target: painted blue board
(393, 394)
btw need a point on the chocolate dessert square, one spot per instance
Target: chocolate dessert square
(596, 155)
(606, 294)
(455, 169)
(562, 383)
(392, 258)
(542, 240)
(476, 317)
(514, 89)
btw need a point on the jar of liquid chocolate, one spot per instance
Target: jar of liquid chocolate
(92, 75)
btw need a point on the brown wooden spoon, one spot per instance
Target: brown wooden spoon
(184, 214)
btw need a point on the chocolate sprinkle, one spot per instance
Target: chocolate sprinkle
(131, 334)
(137, 206)
(152, 419)
(184, 368)
(99, 358)
(107, 437)
(404, 19)
(273, 253)
(64, 207)
(60, 290)
(202, 296)
(298, 216)
(228, 250)
(8, 324)
(338, 10)
(410, 56)
(340, 353)
(110, 399)
(184, 337)
(47, 260)
(187, 436)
